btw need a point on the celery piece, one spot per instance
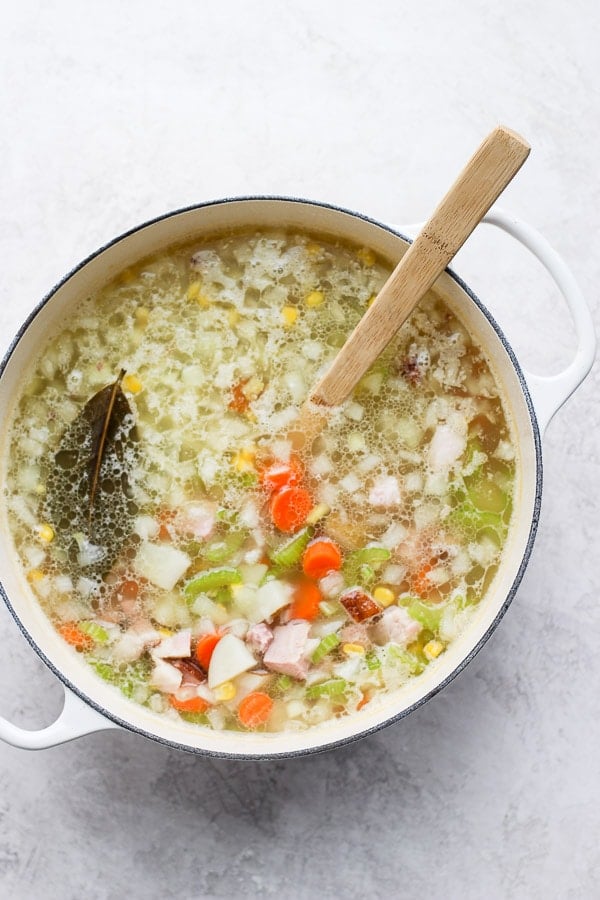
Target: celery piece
(96, 632)
(283, 683)
(484, 493)
(426, 614)
(329, 643)
(212, 580)
(126, 678)
(194, 717)
(222, 549)
(372, 660)
(469, 520)
(412, 662)
(335, 687)
(290, 553)
(361, 565)
(328, 609)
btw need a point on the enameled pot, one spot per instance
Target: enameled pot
(91, 704)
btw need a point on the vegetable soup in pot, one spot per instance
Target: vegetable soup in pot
(189, 553)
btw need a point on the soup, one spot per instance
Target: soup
(180, 543)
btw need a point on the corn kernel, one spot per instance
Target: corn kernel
(317, 513)
(314, 299)
(142, 315)
(166, 632)
(432, 649)
(243, 461)
(193, 291)
(225, 691)
(132, 384)
(353, 649)
(384, 596)
(46, 533)
(313, 249)
(35, 575)
(290, 314)
(233, 317)
(366, 256)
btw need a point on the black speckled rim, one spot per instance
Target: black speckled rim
(330, 745)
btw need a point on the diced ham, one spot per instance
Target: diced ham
(260, 637)
(191, 671)
(446, 446)
(396, 626)
(166, 677)
(196, 519)
(286, 652)
(385, 492)
(359, 605)
(132, 643)
(175, 646)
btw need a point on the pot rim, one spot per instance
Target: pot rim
(357, 735)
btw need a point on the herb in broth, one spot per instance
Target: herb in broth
(237, 583)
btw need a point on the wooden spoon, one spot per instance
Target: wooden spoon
(479, 185)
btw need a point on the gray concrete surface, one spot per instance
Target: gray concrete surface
(115, 112)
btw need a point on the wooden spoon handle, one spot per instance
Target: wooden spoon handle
(481, 182)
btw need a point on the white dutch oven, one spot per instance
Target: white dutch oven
(90, 704)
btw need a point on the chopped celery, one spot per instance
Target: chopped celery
(410, 660)
(470, 520)
(283, 683)
(290, 553)
(222, 549)
(484, 493)
(211, 580)
(194, 717)
(95, 631)
(327, 608)
(427, 614)
(361, 565)
(329, 643)
(372, 660)
(126, 678)
(335, 687)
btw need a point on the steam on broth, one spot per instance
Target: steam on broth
(180, 544)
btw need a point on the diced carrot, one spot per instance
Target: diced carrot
(239, 402)
(290, 507)
(281, 474)
(420, 582)
(320, 557)
(73, 635)
(193, 705)
(306, 599)
(205, 647)
(363, 702)
(255, 709)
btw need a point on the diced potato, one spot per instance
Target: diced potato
(161, 564)
(230, 658)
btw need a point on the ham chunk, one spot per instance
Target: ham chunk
(175, 646)
(286, 652)
(260, 637)
(357, 633)
(396, 627)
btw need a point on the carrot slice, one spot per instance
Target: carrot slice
(204, 649)
(420, 583)
(320, 557)
(281, 474)
(255, 709)
(306, 599)
(290, 507)
(73, 635)
(238, 402)
(193, 705)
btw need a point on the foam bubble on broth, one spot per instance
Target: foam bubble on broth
(224, 338)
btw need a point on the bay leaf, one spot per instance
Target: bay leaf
(88, 487)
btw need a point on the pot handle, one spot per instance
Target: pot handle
(549, 392)
(75, 720)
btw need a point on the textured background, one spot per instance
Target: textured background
(114, 112)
